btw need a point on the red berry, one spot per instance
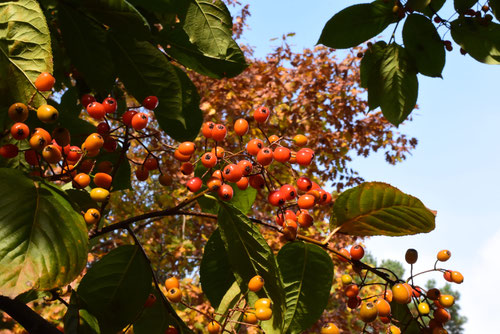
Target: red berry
(110, 144)
(357, 252)
(96, 110)
(31, 157)
(246, 166)
(304, 183)
(139, 121)
(261, 114)
(257, 181)
(276, 198)
(242, 184)
(225, 192)
(289, 191)
(232, 173)
(265, 156)
(194, 184)
(209, 160)
(127, 117)
(150, 163)
(86, 99)
(306, 201)
(9, 151)
(150, 102)
(103, 128)
(187, 168)
(207, 128)
(282, 154)
(254, 146)
(20, 131)
(241, 127)
(110, 105)
(304, 157)
(219, 132)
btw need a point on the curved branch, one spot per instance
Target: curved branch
(26, 317)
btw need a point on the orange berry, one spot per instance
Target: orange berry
(103, 180)
(265, 156)
(213, 327)
(209, 160)
(444, 255)
(304, 183)
(81, 181)
(261, 114)
(383, 307)
(214, 183)
(242, 184)
(18, 112)
(357, 252)
(220, 152)
(352, 290)
(250, 318)
(139, 121)
(45, 82)
(187, 168)
(304, 157)
(219, 132)
(368, 312)
(254, 146)
(96, 110)
(256, 283)
(441, 315)
(246, 166)
(401, 294)
(300, 140)
(47, 113)
(171, 282)
(273, 138)
(241, 127)
(276, 198)
(346, 255)
(304, 218)
(19, 131)
(329, 328)
(181, 157)
(232, 173)
(92, 216)
(93, 142)
(225, 192)
(174, 295)
(207, 129)
(446, 301)
(263, 313)
(306, 201)
(282, 154)
(51, 154)
(187, 148)
(457, 277)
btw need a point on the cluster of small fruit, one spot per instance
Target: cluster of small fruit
(401, 292)
(252, 166)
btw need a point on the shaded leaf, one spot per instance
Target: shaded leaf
(250, 255)
(44, 240)
(424, 45)
(158, 318)
(86, 44)
(228, 302)
(433, 7)
(216, 275)
(119, 15)
(32, 295)
(405, 320)
(480, 41)
(116, 287)
(307, 272)
(376, 208)
(25, 50)
(77, 320)
(357, 24)
(370, 73)
(399, 84)
(462, 5)
(495, 7)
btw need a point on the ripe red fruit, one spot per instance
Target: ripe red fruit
(45, 82)
(187, 148)
(357, 252)
(346, 256)
(194, 184)
(351, 291)
(232, 173)
(225, 192)
(181, 157)
(254, 146)
(187, 168)
(353, 302)
(282, 154)
(86, 99)
(127, 117)
(74, 153)
(304, 183)
(209, 160)
(276, 198)
(207, 128)
(241, 127)
(304, 157)
(242, 183)
(150, 102)
(219, 132)
(150, 163)
(261, 114)
(20, 131)
(304, 218)
(103, 180)
(9, 151)
(265, 156)
(96, 110)
(246, 166)
(110, 105)
(103, 128)
(257, 181)
(139, 121)
(289, 191)
(141, 173)
(289, 215)
(306, 201)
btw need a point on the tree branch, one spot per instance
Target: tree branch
(26, 317)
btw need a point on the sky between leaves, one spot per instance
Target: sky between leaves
(454, 169)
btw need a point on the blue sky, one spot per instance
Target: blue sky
(454, 169)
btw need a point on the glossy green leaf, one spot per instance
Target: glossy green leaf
(307, 272)
(216, 275)
(424, 45)
(462, 5)
(116, 287)
(370, 73)
(121, 180)
(357, 24)
(433, 7)
(376, 208)
(158, 318)
(118, 15)
(203, 40)
(250, 255)
(480, 41)
(405, 320)
(44, 240)
(25, 50)
(399, 84)
(86, 44)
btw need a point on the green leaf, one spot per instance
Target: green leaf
(145, 71)
(433, 7)
(116, 287)
(418, 5)
(399, 84)
(191, 112)
(32, 295)
(119, 15)
(25, 50)
(405, 320)
(495, 7)
(228, 302)
(162, 6)
(481, 42)
(86, 44)
(357, 24)
(121, 180)
(203, 40)
(424, 45)
(376, 208)
(158, 318)
(216, 275)
(81, 198)
(44, 240)
(307, 272)
(462, 5)
(370, 73)
(78, 320)
(250, 255)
